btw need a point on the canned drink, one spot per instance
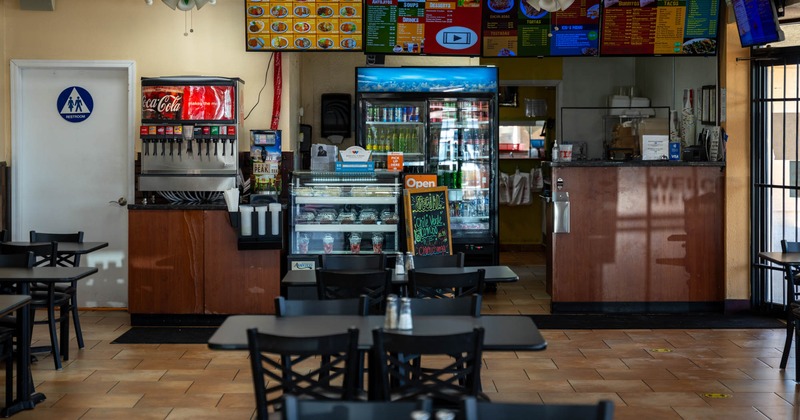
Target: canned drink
(384, 114)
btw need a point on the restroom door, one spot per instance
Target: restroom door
(72, 162)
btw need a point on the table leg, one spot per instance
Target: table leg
(27, 398)
(790, 321)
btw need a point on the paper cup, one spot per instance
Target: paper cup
(565, 152)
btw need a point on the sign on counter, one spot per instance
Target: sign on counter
(427, 221)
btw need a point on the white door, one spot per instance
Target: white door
(72, 162)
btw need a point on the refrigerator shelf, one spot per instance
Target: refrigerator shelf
(447, 125)
(394, 123)
(345, 200)
(347, 227)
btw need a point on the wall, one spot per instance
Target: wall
(152, 37)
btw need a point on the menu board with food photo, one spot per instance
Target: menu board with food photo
(659, 27)
(523, 28)
(449, 27)
(303, 25)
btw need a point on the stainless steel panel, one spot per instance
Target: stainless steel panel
(149, 182)
(561, 212)
(200, 161)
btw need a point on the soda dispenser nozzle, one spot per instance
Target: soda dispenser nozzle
(216, 142)
(179, 140)
(163, 146)
(171, 145)
(208, 146)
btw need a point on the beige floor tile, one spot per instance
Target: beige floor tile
(49, 413)
(568, 374)
(150, 387)
(678, 385)
(137, 413)
(649, 413)
(662, 399)
(612, 385)
(97, 400)
(185, 401)
(217, 413)
(207, 386)
(127, 375)
(651, 373)
(533, 386)
(727, 413)
(193, 374)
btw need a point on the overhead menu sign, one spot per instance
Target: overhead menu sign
(330, 25)
(449, 27)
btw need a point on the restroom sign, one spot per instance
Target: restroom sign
(75, 104)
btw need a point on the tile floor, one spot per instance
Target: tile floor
(653, 374)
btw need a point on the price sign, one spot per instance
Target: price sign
(428, 221)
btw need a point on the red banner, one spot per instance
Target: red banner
(188, 103)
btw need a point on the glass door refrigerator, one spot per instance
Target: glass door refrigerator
(444, 121)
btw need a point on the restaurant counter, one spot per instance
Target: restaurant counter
(185, 267)
(643, 236)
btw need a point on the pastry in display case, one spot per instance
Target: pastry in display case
(345, 212)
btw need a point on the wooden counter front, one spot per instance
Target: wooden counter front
(642, 239)
(187, 262)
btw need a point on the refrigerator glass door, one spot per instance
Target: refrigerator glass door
(395, 125)
(461, 138)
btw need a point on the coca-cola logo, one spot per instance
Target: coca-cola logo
(164, 104)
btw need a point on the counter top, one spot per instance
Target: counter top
(182, 206)
(623, 163)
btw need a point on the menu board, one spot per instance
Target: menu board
(327, 25)
(427, 221)
(515, 28)
(447, 27)
(659, 27)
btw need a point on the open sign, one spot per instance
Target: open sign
(420, 181)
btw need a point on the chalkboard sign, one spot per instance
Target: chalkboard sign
(427, 221)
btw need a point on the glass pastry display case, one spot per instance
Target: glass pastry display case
(345, 212)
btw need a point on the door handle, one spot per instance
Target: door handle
(122, 201)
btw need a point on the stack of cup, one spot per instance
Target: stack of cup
(275, 212)
(262, 220)
(247, 219)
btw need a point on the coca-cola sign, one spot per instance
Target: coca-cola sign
(187, 103)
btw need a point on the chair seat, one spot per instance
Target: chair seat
(39, 299)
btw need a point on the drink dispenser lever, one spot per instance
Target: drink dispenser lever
(208, 146)
(180, 145)
(171, 145)
(146, 147)
(216, 143)
(163, 146)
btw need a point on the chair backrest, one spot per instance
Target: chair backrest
(44, 254)
(63, 260)
(4, 236)
(401, 378)
(296, 409)
(441, 260)
(353, 262)
(465, 305)
(430, 285)
(279, 368)
(375, 285)
(21, 260)
(287, 307)
(471, 409)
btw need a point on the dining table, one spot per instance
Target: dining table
(68, 249)
(26, 396)
(301, 284)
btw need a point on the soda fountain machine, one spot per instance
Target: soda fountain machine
(189, 137)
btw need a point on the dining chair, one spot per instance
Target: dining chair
(792, 296)
(296, 409)
(400, 379)
(374, 284)
(8, 323)
(430, 285)
(44, 296)
(472, 409)
(350, 262)
(74, 260)
(285, 365)
(297, 307)
(464, 305)
(439, 260)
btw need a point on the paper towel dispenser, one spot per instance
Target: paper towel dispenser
(561, 212)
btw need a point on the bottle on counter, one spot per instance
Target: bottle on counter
(556, 151)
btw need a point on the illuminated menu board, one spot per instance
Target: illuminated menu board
(303, 25)
(515, 28)
(659, 27)
(449, 27)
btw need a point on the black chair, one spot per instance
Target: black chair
(375, 285)
(7, 330)
(437, 286)
(472, 409)
(291, 307)
(400, 379)
(44, 296)
(792, 296)
(465, 305)
(297, 409)
(287, 373)
(351, 262)
(74, 260)
(439, 260)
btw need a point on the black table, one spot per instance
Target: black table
(494, 274)
(70, 248)
(27, 398)
(790, 261)
(502, 332)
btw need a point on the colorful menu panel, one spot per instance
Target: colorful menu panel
(516, 28)
(447, 27)
(298, 25)
(659, 27)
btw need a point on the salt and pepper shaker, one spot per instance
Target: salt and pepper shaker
(404, 322)
(420, 415)
(409, 261)
(445, 415)
(399, 267)
(390, 319)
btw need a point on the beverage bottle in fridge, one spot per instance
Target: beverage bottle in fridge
(370, 139)
(395, 140)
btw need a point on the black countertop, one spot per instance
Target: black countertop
(629, 163)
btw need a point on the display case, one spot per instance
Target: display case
(345, 212)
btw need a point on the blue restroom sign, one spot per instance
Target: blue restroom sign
(75, 104)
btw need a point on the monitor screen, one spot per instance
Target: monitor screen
(757, 21)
